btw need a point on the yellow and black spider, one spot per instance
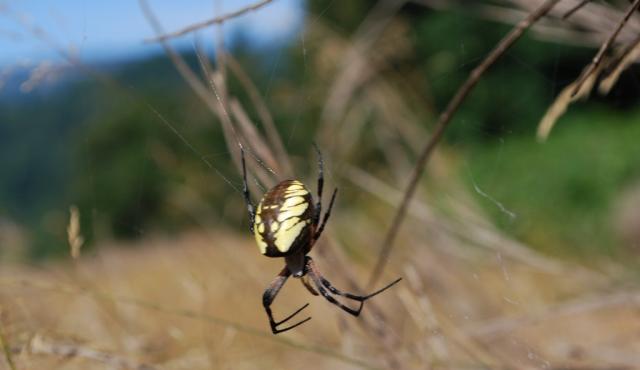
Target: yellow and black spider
(287, 224)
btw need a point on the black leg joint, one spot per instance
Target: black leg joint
(266, 299)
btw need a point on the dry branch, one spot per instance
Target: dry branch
(443, 123)
(605, 46)
(559, 106)
(575, 9)
(629, 56)
(211, 22)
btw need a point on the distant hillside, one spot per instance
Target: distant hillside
(47, 133)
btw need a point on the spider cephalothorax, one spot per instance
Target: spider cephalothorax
(287, 224)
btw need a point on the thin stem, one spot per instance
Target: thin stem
(605, 46)
(575, 9)
(443, 122)
(217, 20)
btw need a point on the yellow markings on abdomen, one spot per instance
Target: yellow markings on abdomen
(284, 238)
(292, 207)
(262, 245)
(280, 218)
(288, 215)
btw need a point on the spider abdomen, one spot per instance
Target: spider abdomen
(283, 220)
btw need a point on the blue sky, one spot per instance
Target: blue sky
(99, 30)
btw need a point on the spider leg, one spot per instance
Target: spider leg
(326, 215)
(322, 283)
(308, 285)
(245, 192)
(360, 298)
(270, 294)
(318, 210)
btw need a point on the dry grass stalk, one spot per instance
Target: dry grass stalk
(230, 134)
(213, 102)
(356, 67)
(73, 232)
(215, 105)
(442, 124)
(566, 97)
(615, 64)
(595, 63)
(594, 17)
(374, 324)
(575, 8)
(183, 68)
(214, 21)
(253, 141)
(548, 29)
(589, 27)
(218, 93)
(629, 56)
(252, 136)
(265, 115)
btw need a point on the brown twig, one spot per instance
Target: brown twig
(217, 20)
(575, 8)
(444, 121)
(628, 56)
(605, 46)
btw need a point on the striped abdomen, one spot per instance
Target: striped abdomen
(283, 221)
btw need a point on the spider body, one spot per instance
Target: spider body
(286, 224)
(283, 221)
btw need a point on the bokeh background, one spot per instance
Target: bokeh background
(123, 233)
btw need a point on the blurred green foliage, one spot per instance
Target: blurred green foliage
(562, 192)
(104, 147)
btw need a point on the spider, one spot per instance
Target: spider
(287, 224)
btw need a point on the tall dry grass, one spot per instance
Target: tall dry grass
(471, 297)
